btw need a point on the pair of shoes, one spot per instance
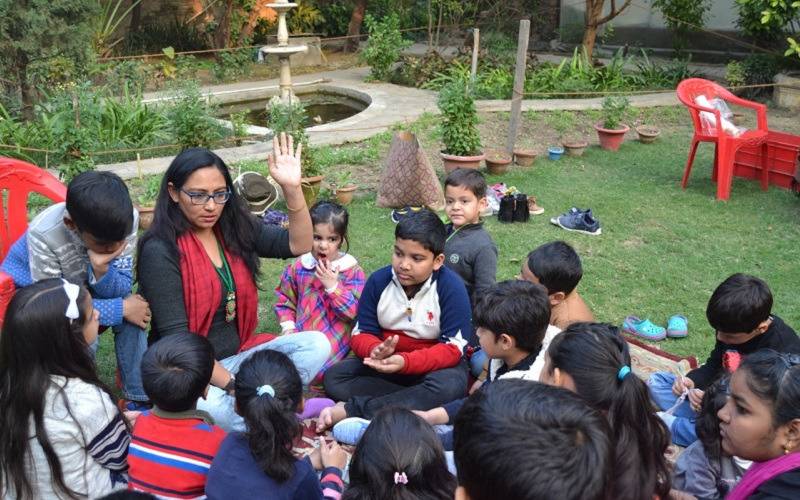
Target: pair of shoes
(677, 327)
(514, 208)
(399, 214)
(533, 208)
(350, 430)
(130, 405)
(581, 221)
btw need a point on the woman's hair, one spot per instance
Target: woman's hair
(237, 225)
(707, 423)
(268, 394)
(38, 341)
(329, 212)
(596, 357)
(399, 442)
(775, 378)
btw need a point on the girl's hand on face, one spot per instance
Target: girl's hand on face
(284, 162)
(327, 274)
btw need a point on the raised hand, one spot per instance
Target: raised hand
(284, 162)
(385, 348)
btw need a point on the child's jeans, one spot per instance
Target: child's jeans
(130, 343)
(366, 391)
(682, 428)
(307, 350)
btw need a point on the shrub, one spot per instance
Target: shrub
(291, 118)
(734, 74)
(459, 119)
(614, 108)
(304, 18)
(150, 38)
(384, 45)
(232, 64)
(127, 76)
(191, 117)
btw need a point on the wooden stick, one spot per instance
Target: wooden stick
(476, 39)
(519, 83)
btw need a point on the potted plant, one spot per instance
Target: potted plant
(146, 202)
(344, 188)
(290, 117)
(462, 144)
(524, 157)
(647, 133)
(611, 131)
(574, 146)
(497, 162)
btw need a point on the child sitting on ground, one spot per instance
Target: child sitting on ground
(61, 432)
(173, 444)
(704, 470)
(528, 441)
(413, 327)
(512, 317)
(469, 249)
(761, 422)
(557, 267)
(259, 462)
(593, 360)
(320, 290)
(739, 311)
(90, 240)
(398, 458)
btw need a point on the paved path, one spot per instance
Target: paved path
(389, 105)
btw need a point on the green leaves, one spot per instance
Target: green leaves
(614, 108)
(459, 119)
(384, 45)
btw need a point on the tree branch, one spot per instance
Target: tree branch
(614, 12)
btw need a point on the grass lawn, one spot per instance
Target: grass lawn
(663, 250)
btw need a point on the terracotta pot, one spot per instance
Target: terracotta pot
(497, 163)
(574, 148)
(311, 187)
(145, 217)
(524, 157)
(611, 140)
(452, 162)
(344, 195)
(647, 134)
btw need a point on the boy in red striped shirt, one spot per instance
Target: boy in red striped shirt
(174, 443)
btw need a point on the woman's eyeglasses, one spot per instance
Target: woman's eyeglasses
(220, 197)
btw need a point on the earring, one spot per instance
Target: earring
(785, 450)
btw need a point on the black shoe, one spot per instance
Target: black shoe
(506, 212)
(521, 213)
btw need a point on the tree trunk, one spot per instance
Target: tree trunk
(136, 18)
(589, 37)
(198, 10)
(222, 37)
(594, 18)
(354, 29)
(26, 94)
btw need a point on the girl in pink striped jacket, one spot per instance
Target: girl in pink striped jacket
(319, 291)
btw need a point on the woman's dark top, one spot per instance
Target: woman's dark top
(161, 284)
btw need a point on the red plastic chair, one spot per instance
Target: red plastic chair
(725, 144)
(17, 180)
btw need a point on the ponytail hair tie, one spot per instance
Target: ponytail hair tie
(400, 478)
(265, 389)
(623, 372)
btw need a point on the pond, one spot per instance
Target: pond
(321, 108)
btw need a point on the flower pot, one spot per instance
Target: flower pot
(497, 162)
(555, 152)
(344, 195)
(145, 217)
(575, 148)
(311, 187)
(524, 157)
(647, 134)
(611, 139)
(452, 162)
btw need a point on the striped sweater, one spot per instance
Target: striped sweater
(305, 305)
(89, 437)
(171, 453)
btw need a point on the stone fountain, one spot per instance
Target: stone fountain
(283, 50)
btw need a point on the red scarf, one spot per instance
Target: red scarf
(202, 291)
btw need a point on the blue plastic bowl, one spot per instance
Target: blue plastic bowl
(555, 152)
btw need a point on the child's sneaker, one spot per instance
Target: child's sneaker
(533, 208)
(573, 210)
(399, 214)
(677, 326)
(350, 430)
(580, 222)
(643, 328)
(506, 212)
(521, 213)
